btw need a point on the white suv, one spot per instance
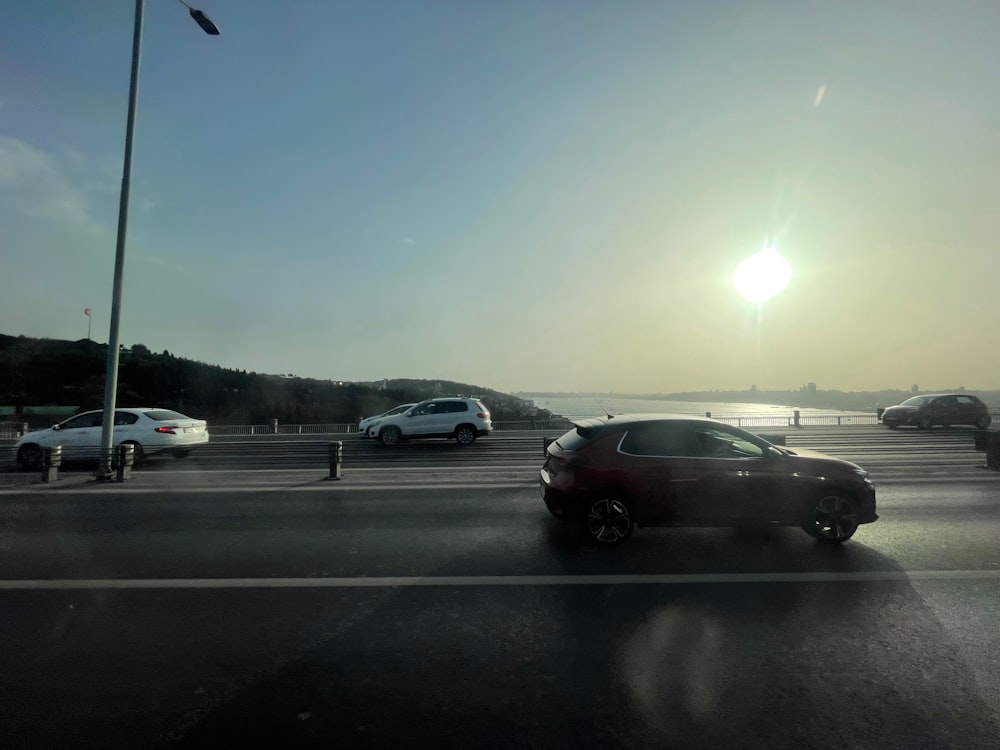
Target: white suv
(367, 422)
(464, 419)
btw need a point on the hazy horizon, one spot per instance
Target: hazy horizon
(557, 392)
(528, 196)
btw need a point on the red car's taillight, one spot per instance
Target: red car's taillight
(167, 430)
(569, 461)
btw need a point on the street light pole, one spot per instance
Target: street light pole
(111, 366)
(104, 469)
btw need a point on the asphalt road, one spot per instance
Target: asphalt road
(442, 607)
(941, 451)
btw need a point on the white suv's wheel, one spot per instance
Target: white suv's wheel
(465, 434)
(390, 436)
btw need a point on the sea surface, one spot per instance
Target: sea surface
(577, 407)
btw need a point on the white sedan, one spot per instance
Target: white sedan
(148, 430)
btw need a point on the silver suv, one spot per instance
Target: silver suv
(464, 419)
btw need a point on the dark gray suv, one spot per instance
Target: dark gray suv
(938, 408)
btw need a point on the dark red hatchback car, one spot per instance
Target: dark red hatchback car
(657, 470)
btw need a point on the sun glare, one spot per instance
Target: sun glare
(762, 276)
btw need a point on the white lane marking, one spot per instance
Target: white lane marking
(330, 486)
(355, 469)
(322, 484)
(535, 580)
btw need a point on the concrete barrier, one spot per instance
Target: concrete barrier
(124, 461)
(989, 441)
(51, 461)
(336, 459)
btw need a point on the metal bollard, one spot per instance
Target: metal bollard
(51, 461)
(126, 459)
(796, 416)
(274, 426)
(993, 451)
(708, 414)
(982, 440)
(546, 442)
(989, 441)
(336, 459)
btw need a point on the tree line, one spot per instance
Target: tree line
(38, 372)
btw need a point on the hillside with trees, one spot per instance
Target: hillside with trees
(50, 372)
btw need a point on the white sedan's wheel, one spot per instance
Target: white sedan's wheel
(29, 457)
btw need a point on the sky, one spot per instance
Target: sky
(533, 195)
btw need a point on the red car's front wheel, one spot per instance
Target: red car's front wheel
(834, 519)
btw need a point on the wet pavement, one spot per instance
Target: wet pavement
(314, 614)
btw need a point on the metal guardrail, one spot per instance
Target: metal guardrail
(533, 424)
(811, 421)
(283, 429)
(352, 428)
(544, 424)
(12, 430)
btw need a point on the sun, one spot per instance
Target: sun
(762, 276)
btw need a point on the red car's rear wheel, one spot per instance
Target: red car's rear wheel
(610, 521)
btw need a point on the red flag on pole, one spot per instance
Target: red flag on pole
(86, 311)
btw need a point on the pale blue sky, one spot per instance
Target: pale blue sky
(526, 195)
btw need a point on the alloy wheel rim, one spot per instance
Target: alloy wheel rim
(835, 518)
(608, 521)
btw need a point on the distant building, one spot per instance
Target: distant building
(811, 387)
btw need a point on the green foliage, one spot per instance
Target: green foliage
(46, 371)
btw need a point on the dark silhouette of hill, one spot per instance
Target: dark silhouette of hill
(37, 372)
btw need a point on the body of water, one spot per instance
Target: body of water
(576, 407)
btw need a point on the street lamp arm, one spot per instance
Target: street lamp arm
(201, 19)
